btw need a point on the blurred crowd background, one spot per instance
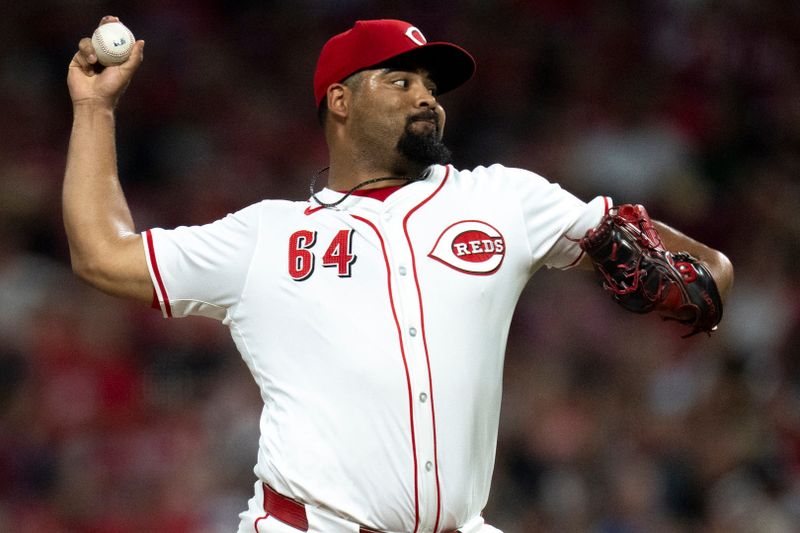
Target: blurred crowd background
(113, 420)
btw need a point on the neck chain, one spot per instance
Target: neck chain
(354, 189)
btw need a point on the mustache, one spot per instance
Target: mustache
(426, 116)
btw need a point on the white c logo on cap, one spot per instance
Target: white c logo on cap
(416, 36)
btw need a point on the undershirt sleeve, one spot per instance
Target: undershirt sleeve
(201, 270)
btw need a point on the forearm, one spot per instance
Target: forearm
(718, 264)
(95, 211)
(98, 222)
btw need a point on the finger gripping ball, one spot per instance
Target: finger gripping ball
(112, 43)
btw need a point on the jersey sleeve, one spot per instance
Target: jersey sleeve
(202, 270)
(554, 219)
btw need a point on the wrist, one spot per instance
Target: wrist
(92, 105)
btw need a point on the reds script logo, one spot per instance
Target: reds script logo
(470, 246)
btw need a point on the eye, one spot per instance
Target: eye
(401, 82)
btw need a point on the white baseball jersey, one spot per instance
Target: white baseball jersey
(376, 332)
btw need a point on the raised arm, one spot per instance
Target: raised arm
(105, 249)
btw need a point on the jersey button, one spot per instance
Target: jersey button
(412, 331)
(402, 270)
(387, 216)
(423, 397)
(428, 466)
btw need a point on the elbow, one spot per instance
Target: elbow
(722, 271)
(118, 268)
(88, 269)
(82, 269)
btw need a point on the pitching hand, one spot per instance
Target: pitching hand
(89, 82)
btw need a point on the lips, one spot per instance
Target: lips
(431, 117)
(432, 121)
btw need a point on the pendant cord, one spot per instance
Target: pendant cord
(354, 189)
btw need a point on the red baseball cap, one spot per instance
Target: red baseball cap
(372, 42)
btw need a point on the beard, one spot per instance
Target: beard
(423, 149)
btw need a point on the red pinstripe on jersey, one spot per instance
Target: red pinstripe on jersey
(162, 291)
(405, 365)
(425, 343)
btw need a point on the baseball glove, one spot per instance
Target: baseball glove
(627, 253)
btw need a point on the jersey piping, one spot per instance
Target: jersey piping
(153, 264)
(425, 343)
(405, 365)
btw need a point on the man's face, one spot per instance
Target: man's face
(395, 110)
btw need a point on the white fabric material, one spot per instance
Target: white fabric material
(380, 367)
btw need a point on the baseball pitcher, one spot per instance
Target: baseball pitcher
(374, 315)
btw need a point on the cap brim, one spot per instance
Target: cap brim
(449, 65)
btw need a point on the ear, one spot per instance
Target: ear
(338, 96)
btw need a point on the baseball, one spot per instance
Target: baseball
(112, 43)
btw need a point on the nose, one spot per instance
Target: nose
(426, 99)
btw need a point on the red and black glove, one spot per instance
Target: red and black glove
(642, 276)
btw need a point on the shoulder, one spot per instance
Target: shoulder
(533, 192)
(246, 220)
(499, 178)
(274, 210)
(497, 171)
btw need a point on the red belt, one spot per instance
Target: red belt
(284, 509)
(293, 513)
